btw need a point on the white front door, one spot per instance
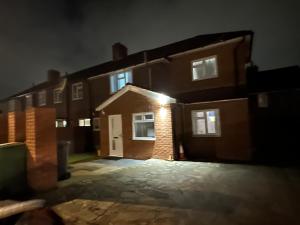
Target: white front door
(115, 135)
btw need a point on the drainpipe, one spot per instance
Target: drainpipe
(149, 69)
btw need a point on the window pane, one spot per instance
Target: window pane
(149, 117)
(128, 77)
(81, 123)
(210, 67)
(211, 122)
(199, 114)
(145, 129)
(200, 126)
(121, 83)
(138, 117)
(87, 122)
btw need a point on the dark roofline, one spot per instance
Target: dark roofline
(160, 52)
(152, 54)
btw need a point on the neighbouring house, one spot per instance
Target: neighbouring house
(274, 99)
(115, 107)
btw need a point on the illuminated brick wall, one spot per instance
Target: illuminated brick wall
(42, 148)
(3, 128)
(16, 126)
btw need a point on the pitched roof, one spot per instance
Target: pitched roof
(164, 99)
(161, 52)
(152, 54)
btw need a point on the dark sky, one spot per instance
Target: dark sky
(69, 35)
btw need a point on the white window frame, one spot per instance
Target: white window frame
(96, 121)
(218, 123)
(210, 76)
(143, 121)
(42, 98)
(113, 80)
(57, 92)
(75, 95)
(65, 123)
(86, 122)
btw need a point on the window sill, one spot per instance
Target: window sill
(76, 99)
(206, 135)
(143, 139)
(206, 78)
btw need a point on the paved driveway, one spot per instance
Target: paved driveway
(161, 192)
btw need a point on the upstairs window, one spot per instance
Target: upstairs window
(57, 96)
(118, 81)
(205, 68)
(59, 123)
(28, 100)
(77, 91)
(206, 122)
(84, 122)
(42, 95)
(143, 126)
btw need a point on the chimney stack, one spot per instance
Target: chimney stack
(119, 51)
(53, 75)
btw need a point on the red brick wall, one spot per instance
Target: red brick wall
(163, 146)
(3, 128)
(131, 103)
(16, 127)
(42, 148)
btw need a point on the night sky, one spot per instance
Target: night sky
(69, 35)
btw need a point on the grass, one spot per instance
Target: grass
(81, 157)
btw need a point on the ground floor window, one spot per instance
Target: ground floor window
(84, 122)
(143, 126)
(96, 124)
(206, 122)
(60, 123)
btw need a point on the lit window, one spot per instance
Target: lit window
(42, 98)
(84, 122)
(96, 124)
(205, 68)
(143, 126)
(206, 123)
(28, 99)
(60, 123)
(118, 81)
(57, 96)
(263, 100)
(77, 91)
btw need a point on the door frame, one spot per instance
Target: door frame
(110, 136)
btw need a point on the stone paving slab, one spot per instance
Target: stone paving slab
(162, 192)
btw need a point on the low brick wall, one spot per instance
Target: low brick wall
(3, 128)
(42, 148)
(16, 126)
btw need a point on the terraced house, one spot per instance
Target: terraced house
(186, 97)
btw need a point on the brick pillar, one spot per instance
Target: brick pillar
(3, 128)
(16, 126)
(163, 147)
(42, 148)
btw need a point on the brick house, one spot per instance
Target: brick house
(203, 79)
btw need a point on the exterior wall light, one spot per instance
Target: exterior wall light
(162, 99)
